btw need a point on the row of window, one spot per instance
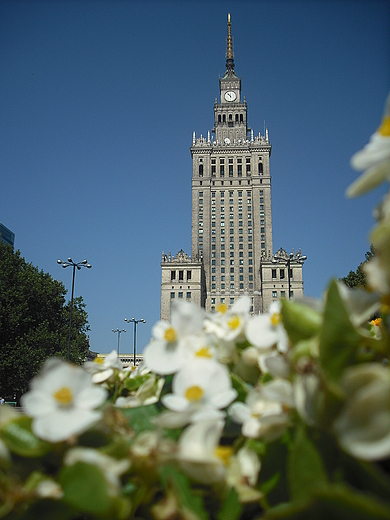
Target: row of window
(239, 118)
(180, 275)
(282, 294)
(230, 169)
(281, 273)
(180, 295)
(232, 286)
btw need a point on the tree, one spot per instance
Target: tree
(34, 322)
(358, 278)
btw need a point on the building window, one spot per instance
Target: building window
(222, 170)
(180, 295)
(231, 301)
(260, 167)
(200, 170)
(230, 170)
(282, 294)
(274, 294)
(241, 286)
(188, 275)
(181, 275)
(172, 294)
(173, 275)
(273, 273)
(281, 274)
(188, 295)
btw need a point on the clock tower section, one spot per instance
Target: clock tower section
(230, 115)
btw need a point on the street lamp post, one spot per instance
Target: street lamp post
(119, 335)
(75, 265)
(298, 259)
(135, 332)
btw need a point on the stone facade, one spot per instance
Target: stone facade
(231, 234)
(181, 279)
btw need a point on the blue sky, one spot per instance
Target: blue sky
(98, 102)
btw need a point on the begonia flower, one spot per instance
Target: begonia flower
(374, 158)
(363, 426)
(229, 324)
(102, 368)
(167, 351)
(199, 453)
(62, 401)
(201, 387)
(266, 330)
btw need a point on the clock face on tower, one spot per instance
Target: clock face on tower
(230, 95)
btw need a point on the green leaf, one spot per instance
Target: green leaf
(19, 438)
(305, 469)
(300, 321)
(257, 445)
(336, 502)
(48, 510)
(172, 479)
(240, 386)
(86, 489)
(231, 507)
(338, 339)
(140, 417)
(132, 384)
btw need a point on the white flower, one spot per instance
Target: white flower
(199, 453)
(102, 368)
(111, 468)
(229, 324)
(266, 330)
(48, 488)
(309, 398)
(167, 351)
(148, 393)
(263, 415)
(202, 387)
(360, 304)
(242, 474)
(62, 401)
(363, 426)
(374, 158)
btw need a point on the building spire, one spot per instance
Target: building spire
(229, 48)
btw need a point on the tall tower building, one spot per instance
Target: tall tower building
(231, 238)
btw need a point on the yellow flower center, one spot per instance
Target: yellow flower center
(170, 334)
(276, 318)
(384, 129)
(98, 360)
(222, 308)
(194, 393)
(377, 322)
(204, 352)
(224, 453)
(234, 322)
(63, 395)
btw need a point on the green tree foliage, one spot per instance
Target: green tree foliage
(358, 278)
(34, 322)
